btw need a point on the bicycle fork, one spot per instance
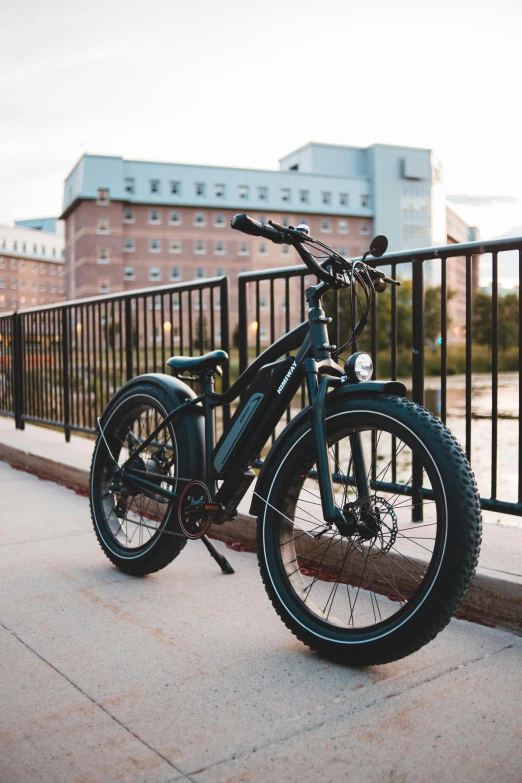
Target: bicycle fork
(317, 390)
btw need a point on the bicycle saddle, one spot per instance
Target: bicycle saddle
(198, 364)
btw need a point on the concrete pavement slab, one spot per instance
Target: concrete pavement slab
(197, 666)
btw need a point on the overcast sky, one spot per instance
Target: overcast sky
(241, 84)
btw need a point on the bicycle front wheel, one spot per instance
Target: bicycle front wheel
(386, 582)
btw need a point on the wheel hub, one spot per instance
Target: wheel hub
(376, 524)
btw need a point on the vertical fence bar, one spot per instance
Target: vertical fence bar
(243, 335)
(444, 338)
(65, 370)
(469, 336)
(418, 332)
(17, 369)
(494, 375)
(225, 343)
(519, 380)
(128, 339)
(417, 374)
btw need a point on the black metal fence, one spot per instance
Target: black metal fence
(440, 335)
(62, 363)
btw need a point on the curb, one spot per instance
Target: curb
(490, 600)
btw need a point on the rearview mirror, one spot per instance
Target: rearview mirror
(379, 246)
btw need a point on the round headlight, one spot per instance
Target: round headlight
(359, 367)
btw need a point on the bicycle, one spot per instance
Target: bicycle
(368, 514)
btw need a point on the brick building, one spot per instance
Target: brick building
(31, 267)
(133, 224)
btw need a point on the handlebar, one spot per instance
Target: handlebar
(291, 236)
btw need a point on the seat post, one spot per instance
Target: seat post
(207, 383)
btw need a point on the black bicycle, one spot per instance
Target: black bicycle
(368, 514)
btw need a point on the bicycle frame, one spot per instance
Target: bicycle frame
(313, 364)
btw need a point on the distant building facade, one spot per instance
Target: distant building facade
(31, 267)
(132, 224)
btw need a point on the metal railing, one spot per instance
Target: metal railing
(273, 301)
(61, 363)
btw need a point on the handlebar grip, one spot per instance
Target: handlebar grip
(247, 225)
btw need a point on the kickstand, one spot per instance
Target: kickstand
(220, 560)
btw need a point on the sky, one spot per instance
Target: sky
(242, 84)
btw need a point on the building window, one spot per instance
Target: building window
(154, 246)
(103, 227)
(43, 250)
(262, 194)
(52, 288)
(174, 219)
(43, 269)
(343, 199)
(219, 248)
(24, 248)
(175, 246)
(199, 219)
(13, 263)
(262, 249)
(304, 196)
(22, 285)
(60, 288)
(200, 189)
(128, 215)
(154, 273)
(220, 272)
(154, 216)
(200, 272)
(243, 191)
(342, 227)
(128, 273)
(52, 270)
(34, 266)
(13, 284)
(35, 249)
(219, 191)
(104, 287)
(285, 194)
(219, 220)
(243, 249)
(103, 257)
(285, 250)
(2, 282)
(200, 246)
(33, 285)
(284, 221)
(325, 226)
(175, 273)
(42, 287)
(326, 196)
(129, 184)
(103, 196)
(343, 251)
(175, 187)
(128, 246)
(364, 200)
(263, 303)
(154, 185)
(364, 227)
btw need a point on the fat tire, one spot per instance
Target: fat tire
(458, 563)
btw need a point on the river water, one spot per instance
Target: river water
(481, 428)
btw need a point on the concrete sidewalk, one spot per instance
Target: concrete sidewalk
(495, 596)
(190, 675)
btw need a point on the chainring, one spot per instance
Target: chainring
(194, 524)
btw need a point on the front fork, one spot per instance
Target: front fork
(317, 388)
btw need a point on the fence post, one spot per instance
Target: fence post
(225, 341)
(418, 332)
(128, 338)
(417, 374)
(17, 347)
(65, 370)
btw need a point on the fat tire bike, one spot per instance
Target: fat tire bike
(368, 514)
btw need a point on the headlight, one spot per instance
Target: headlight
(359, 367)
